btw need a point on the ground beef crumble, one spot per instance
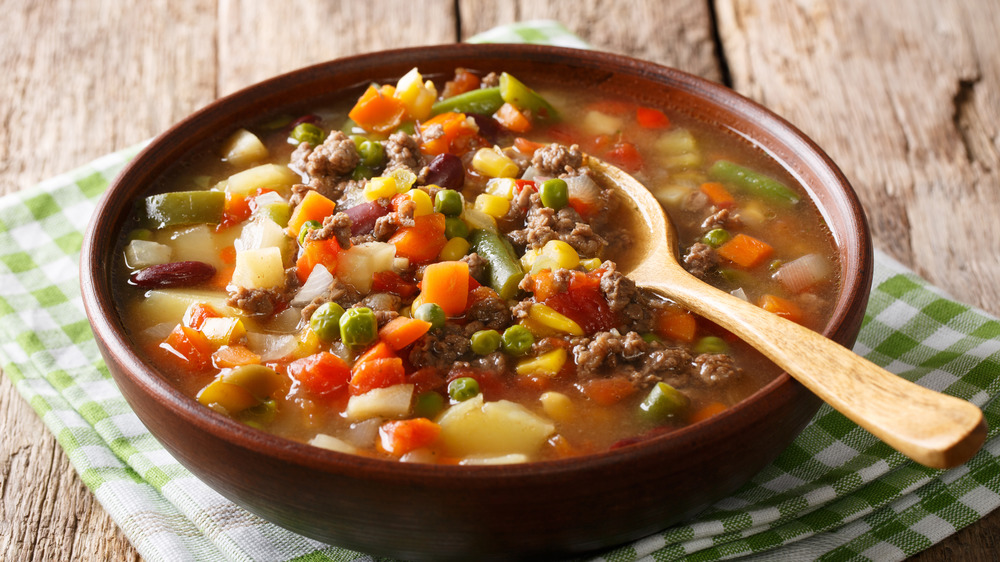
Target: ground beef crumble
(403, 151)
(556, 160)
(700, 260)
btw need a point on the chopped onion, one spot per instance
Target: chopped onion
(740, 293)
(364, 433)
(319, 281)
(157, 332)
(530, 173)
(260, 233)
(330, 442)
(584, 189)
(271, 346)
(269, 198)
(143, 253)
(802, 273)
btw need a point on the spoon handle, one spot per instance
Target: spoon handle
(934, 429)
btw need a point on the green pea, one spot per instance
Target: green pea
(716, 237)
(261, 415)
(362, 172)
(710, 344)
(307, 132)
(371, 152)
(358, 327)
(448, 202)
(461, 389)
(325, 321)
(663, 402)
(431, 312)
(554, 193)
(485, 342)
(428, 404)
(517, 340)
(455, 227)
(304, 230)
(650, 337)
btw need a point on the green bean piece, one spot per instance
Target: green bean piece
(463, 388)
(716, 237)
(408, 127)
(752, 182)
(484, 101)
(428, 404)
(710, 344)
(307, 132)
(448, 202)
(372, 153)
(362, 172)
(358, 327)
(454, 227)
(185, 207)
(279, 212)
(325, 321)
(304, 230)
(485, 342)
(554, 193)
(505, 271)
(517, 340)
(431, 312)
(514, 92)
(141, 234)
(662, 403)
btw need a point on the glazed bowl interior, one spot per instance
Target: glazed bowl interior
(537, 509)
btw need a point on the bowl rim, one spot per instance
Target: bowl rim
(109, 330)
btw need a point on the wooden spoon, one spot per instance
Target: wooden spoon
(934, 429)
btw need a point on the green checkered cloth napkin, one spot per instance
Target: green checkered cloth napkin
(837, 493)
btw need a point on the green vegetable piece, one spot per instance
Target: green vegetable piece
(448, 202)
(554, 193)
(428, 404)
(306, 227)
(431, 312)
(358, 327)
(260, 416)
(514, 92)
(710, 344)
(505, 271)
(650, 337)
(484, 101)
(461, 389)
(278, 212)
(362, 172)
(185, 207)
(307, 132)
(372, 153)
(485, 342)
(517, 340)
(716, 237)
(260, 381)
(325, 321)
(752, 182)
(141, 234)
(662, 403)
(454, 227)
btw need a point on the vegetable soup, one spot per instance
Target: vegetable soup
(428, 272)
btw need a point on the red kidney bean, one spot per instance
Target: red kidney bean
(307, 118)
(446, 170)
(363, 216)
(488, 128)
(174, 274)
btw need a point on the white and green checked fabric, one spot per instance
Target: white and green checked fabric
(836, 494)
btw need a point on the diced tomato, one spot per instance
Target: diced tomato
(392, 282)
(189, 348)
(322, 373)
(649, 118)
(317, 252)
(626, 155)
(449, 132)
(464, 81)
(586, 307)
(402, 436)
(608, 391)
(426, 379)
(196, 314)
(376, 373)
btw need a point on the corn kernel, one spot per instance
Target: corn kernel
(380, 188)
(548, 317)
(478, 220)
(547, 364)
(421, 201)
(416, 95)
(492, 163)
(591, 264)
(557, 406)
(404, 179)
(501, 187)
(529, 257)
(543, 262)
(454, 249)
(561, 253)
(493, 205)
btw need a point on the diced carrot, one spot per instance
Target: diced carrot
(380, 350)
(717, 194)
(321, 373)
(447, 285)
(223, 276)
(608, 391)
(313, 207)
(745, 251)
(464, 81)
(454, 136)
(377, 111)
(237, 208)
(402, 436)
(234, 356)
(196, 314)
(782, 307)
(402, 331)
(422, 242)
(626, 155)
(677, 324)
(649, 118)
(317, 252)
(377, 373)
(512, 119)
(189, 348)
(525, 146)
(706, 412)
(392, 282)
(228, 255)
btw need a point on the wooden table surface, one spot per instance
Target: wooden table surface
(903, 94)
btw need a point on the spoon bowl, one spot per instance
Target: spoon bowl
(933, 429)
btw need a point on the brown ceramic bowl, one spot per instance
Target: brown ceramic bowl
(534, 510)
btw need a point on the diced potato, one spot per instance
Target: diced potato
(389, 402)
(263, 232)
(197, 243)
(273, 176)
(260, 268)
(598, 123)
(330, 442)
(243, 148)
(475, 428)
(223, 331)
(144, 253)
(358, 264)
(672, 195)
(676, 141)
(557, 406)
(169, 305)
(418, 96)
